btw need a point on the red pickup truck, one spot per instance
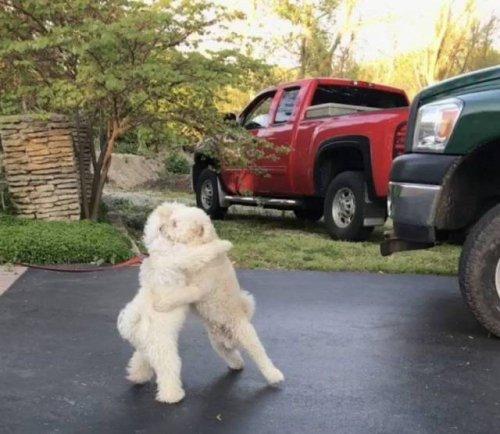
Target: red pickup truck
(342, 136)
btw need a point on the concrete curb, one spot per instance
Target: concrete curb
(8, 275)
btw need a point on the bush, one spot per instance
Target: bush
(127, 146)
(178, 164)
(43, 242)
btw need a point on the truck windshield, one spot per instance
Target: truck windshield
(357, 96)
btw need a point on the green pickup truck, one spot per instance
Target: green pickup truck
(447, 184)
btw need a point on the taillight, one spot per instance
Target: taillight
(399, 140)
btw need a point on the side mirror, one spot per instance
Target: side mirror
(230, 117)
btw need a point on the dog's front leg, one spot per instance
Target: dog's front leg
(166, 300)
(199, 256)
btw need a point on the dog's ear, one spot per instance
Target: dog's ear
(207, 232)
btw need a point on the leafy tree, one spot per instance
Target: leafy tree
(123, 63)
(319, 50)
(461, 43)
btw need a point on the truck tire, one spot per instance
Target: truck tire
(207, 194)
(344, 207)
(479, 271)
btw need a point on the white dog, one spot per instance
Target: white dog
(224, 307)
(162, 279)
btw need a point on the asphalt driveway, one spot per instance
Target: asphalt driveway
(361, 353)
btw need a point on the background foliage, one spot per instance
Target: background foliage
(154, 77)
(124, 65)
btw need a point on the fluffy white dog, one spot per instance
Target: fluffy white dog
(162, 277)
(226, 309)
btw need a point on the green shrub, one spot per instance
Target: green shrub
(42, 242)
(177, 163)
(127, 145)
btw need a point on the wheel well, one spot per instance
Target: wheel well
(340, 155)
(470, 188)
(201, 162)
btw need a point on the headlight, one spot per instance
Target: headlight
(435, 123)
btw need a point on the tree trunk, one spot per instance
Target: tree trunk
(303, 58)
(102, 167)
(81, 168)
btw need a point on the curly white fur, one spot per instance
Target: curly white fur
(225, 309)
(152, 320)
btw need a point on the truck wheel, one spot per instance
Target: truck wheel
(344, 206)
(309, 214)
(207, 194)
(479, 271)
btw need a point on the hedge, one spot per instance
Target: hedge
(46, 242)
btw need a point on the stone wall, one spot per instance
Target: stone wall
(3, 184)
(40, 166)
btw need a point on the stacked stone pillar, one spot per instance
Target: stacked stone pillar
(40, 166)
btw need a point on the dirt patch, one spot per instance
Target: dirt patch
(129, 171)
(133, 172)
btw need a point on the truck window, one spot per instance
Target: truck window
(356, 96)
(287, 105)
(257, 114)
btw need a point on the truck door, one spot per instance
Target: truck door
(255, 118)
(274, 178)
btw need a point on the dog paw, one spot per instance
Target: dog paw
(236, 365)
(225, 245)
(235, 361)
(139, 377)
(159, 306)
(274, 376)
(170, 396)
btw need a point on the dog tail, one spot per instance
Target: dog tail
(248, 304)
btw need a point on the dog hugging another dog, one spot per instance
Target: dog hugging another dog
(187, 266)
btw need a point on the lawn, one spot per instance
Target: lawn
(276, 240)
(271, 242)
(262, 239)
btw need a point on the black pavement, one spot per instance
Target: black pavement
(360, 352)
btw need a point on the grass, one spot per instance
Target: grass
(269, 242)
(276, 240)
(47, 242)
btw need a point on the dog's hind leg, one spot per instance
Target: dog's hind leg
(139, 371)
(164, 358)
(249, 340)
(230, 355)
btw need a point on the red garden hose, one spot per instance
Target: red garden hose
(132, 262)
